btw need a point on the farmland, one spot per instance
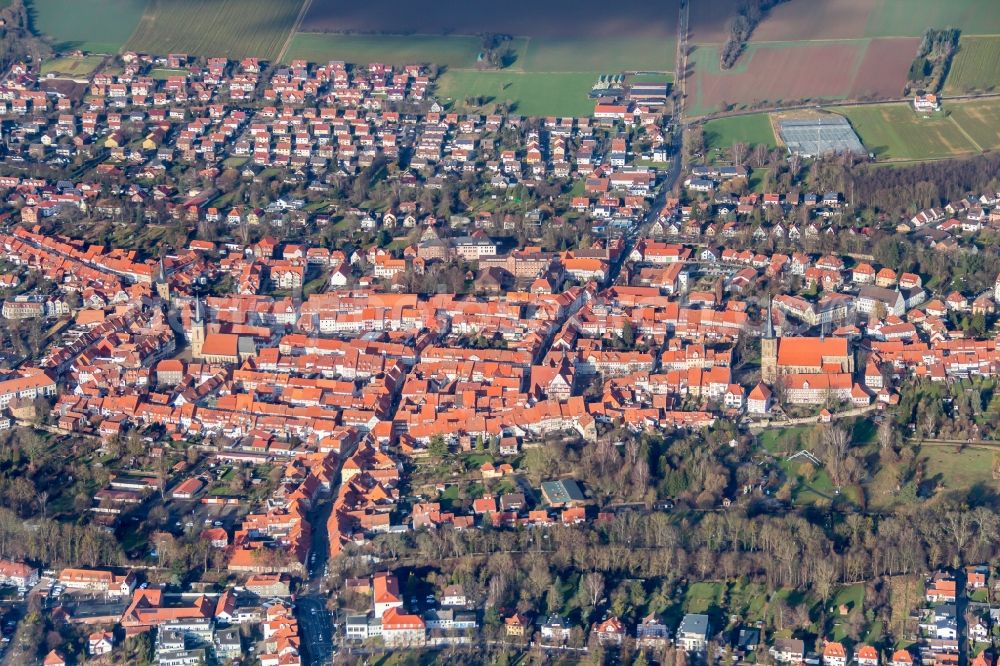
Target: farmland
(101, 26)
(527, 93)
(752, 130)
(565, 19)
(783, 72)
(980, 119)
(976, 66)
(230, 28)
(446, 50)
(852, 19)
(912, 17)
(895, 132)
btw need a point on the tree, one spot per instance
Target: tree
(836, 441)
(824, 577)
(438, 447)
(738, 152)
(886, 434)
(593, 585)
(628, 334)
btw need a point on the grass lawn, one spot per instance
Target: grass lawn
(700, 597)
(229, 28)
(527, 93)
(162, 73)
(751, 130)
(749, 601)
(76, 68)
(896, 132)
(958, 470)
(448, 50)
(980, 119)
(783, 440)
(476, 460)
(852, 595)
(816, 487)
(976, 66)
(101, 26)
(891, 18)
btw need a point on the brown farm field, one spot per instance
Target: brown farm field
(554, 18)
(787, 72)
(708, 22)
(816, 19)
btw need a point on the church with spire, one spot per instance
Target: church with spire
(196, 334)
(161, 282)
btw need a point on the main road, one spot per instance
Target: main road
(315, 622)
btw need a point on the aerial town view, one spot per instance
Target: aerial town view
(529, 333)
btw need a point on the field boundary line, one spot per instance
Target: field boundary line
(151, 12)
(968, 136)
(295, 28)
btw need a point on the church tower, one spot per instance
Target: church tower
(197, 335)
(768, 350)
(162, 285)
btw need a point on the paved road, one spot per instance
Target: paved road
(315, 622)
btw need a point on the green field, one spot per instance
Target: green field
(526, 93)
(101, 26)
(895, 132)
(449, 50)
(601, 56)
(751, 130)
(229, 28)
(68, 67)
(162, 73)
(976, 66)
(958, 470)
(980, 120)
(892, 18)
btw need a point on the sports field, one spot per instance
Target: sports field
(976, 66)
(229, 28)
(895, 132)
(778, 73)
(101, 26)
(526, 93)
(752, 130)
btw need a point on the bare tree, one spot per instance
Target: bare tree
(836, 442)
(886, 436)
(760, 154)
(738, 152)
(593, 584)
